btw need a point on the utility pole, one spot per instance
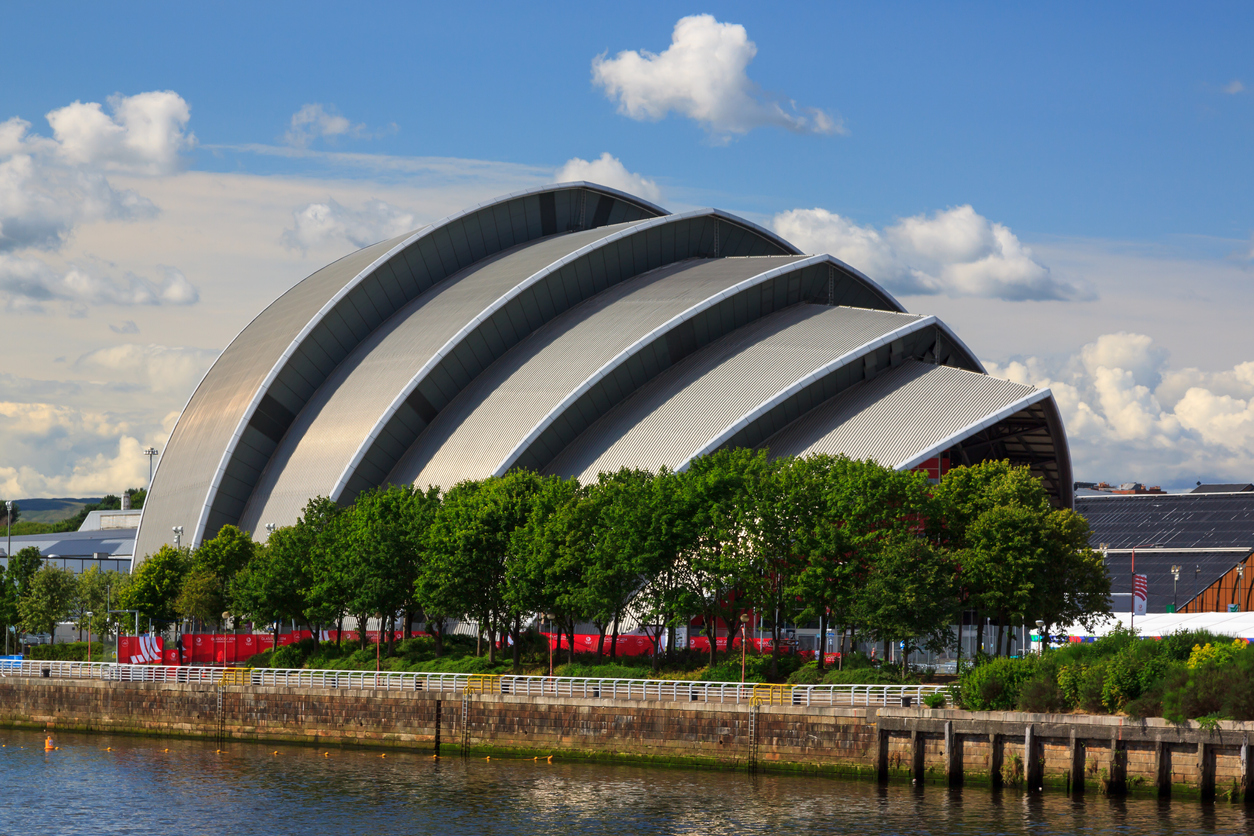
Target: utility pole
(151, 453)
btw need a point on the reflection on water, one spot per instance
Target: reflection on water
(154, 786)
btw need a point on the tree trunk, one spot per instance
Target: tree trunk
(600, 640)
(339, 629)
(491, 644)
(822, 644)
(517, 636)
(840, 660)
(570, 624)
(1001, 631)
(670, 644)
(614, 639)
(436, 629)
(979, 635)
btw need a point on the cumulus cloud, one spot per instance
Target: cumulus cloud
(328, 223)
(50, 184)
(703, 75)
(1130, 416)
(146, 133)
(608, 171)
(1233, 87)
(167, 369)
(27, 284)
(314, 121)
(956, 252)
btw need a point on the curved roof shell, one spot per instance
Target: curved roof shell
(573, 329)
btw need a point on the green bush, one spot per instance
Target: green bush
(1042, 695)
(995, 685)
(71, 652)
(1091, 688)
(807, 674)
(1069, 678)
(870, 676)
(935, 700)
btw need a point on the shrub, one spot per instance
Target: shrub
(1041, 695)
(1220, 654)
(1069, 678)
(1131, 672)
(995, 685)
(71, 652)
(935, 700)
(807, 674)
(869, 676)
(1090, 690)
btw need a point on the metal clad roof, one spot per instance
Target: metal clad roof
(898, 414)
(1192, 521)
(473, 435)
(327, 433)
(1198, 570)
(679, 411)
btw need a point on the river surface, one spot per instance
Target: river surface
(157, 787)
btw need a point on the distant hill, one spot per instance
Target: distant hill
(52, 510)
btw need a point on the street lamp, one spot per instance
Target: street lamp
(1175, 584)
(150, 453)
(744, 623)
(178, 536)
(270, 529)
(1236, 593)
(226, 616)
(1040, 631)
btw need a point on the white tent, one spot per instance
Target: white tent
(1235, 624)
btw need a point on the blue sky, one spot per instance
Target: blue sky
(1091, 163)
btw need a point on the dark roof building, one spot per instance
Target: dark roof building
(570, 330)
(1209, 536)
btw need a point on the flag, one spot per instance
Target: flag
(1140, 593)
(146, 649)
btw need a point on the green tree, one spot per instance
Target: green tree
(910, 595)
(545, 574)
(201, 596)
(155, 586)
(10, 617)
(718, 560)
(223, 556)
(23, 566)
(95, 591)
(50, 597)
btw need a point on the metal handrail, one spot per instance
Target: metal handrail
(662, 690)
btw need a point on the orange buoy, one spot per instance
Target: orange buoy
(48, 746)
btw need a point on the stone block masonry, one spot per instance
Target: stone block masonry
(1034, 752)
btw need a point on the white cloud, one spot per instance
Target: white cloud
(1233, 87)
(702, 75)
(329, 222)
(26, 284)
(1129, 416)
(955, 252)
(146, 133)
(313, 121)
(161, 368)
(608, 171)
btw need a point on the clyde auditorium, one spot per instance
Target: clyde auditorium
(574, 329)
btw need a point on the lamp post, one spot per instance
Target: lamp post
(226, 616)
(1236, 592)
(744, 623)
(178, 536)
(151, 452)
(1175, 585)
(1040, 631)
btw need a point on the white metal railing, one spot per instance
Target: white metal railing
(549, 686)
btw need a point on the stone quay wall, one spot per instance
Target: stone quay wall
(1076, 753)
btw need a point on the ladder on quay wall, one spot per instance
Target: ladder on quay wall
(465, 726)
(755, 733)
(221, 722)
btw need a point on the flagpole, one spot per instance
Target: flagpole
(1132, 609)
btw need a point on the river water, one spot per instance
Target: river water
(158, 787)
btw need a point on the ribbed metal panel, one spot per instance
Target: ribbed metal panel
(475, 433)
(287, 351)
(205, 428)
(683, 408)
(899, 415)
(342, 412)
